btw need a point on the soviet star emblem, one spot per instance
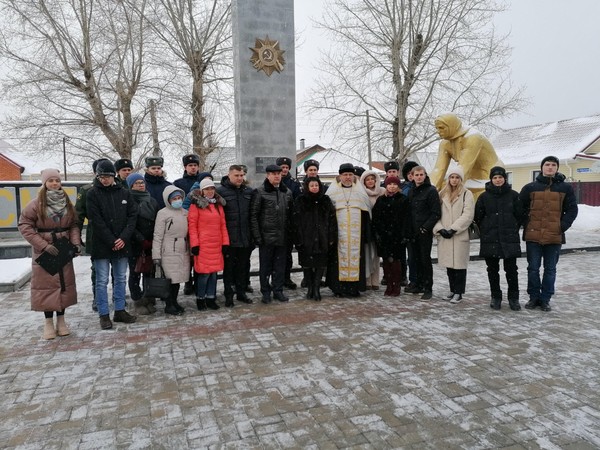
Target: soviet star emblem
(267, 56)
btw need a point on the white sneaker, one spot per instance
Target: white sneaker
(456, 298)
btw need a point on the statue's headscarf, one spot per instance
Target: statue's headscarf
(454, 125)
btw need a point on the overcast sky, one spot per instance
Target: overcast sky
(556, 56)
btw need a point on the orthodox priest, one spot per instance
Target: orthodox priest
(346, 272)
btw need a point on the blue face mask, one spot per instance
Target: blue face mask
(177, 204)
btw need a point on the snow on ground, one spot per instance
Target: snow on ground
(588, 220)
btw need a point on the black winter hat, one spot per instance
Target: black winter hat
(359, 170)
(106, 167)
(154, 161)
(550, 158)
(497, 170)
(407, 167)
(122, 164)
(95, 163)
(346, 167)
(311, 162)
(192, 158)
(284, 160)
(391, 165)
(272, 168)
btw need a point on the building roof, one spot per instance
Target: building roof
(330, 161)
(563, 139)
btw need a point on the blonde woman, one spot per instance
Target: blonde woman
(458, 209)
(51, 215)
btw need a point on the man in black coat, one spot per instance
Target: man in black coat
(191, 166)
(155, 181)
(238, 196)
(270, 213)
(295, 189)
(113, 215)
(425, 212)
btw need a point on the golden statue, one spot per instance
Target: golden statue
(469, 148)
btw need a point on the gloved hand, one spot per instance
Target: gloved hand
(51, 249)
(445, 234)
(451, 232)
(195, 250)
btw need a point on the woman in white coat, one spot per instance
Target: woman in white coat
(170, 246)
(458, 209)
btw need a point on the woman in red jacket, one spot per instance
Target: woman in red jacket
(208, 236)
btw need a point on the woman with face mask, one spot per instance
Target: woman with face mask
(51, 213)
(208, 236)
(170, 248)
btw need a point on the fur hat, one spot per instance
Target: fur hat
(106, 168)
(284, 160)
(206, 183)
(95, 163)
(346, 167)
(122, 164)
(391, 165)
(49, 173)
(311, 162)
(192, 158)
(407, 167)
(497, 170)
(132, 178)
(550, 158)
(154, 161)
(359, 170)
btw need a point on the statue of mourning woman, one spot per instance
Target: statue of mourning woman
(469, 148)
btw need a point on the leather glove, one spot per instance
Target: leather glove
(451, 232)
(195, 250)
(445, 234)
(51, 249)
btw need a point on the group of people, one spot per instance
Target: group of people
(140, 226)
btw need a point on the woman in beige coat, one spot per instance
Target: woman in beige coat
(372, 183)
(52, 211)
(458, 209)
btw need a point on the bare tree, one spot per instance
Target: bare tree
(407, 61)
(198, 34)
(77, 68)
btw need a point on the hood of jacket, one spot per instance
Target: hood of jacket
(168, 191)
(202, 202)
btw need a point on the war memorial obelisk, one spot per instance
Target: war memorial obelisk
(264, 78)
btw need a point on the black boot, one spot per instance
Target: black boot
(212, 304)
(170, 308)
(318, 273)
(403, 278)
(229, 301)
(310, 283)
(514, 304)
(495, 303)
(201, 304)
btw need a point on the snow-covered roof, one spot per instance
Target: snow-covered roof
(330, 161)
(32, 165)
(563, 139)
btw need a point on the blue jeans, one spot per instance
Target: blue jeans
(544, 289)
(206, 285)
(119, 269)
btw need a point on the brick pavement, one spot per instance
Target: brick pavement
(372, 372)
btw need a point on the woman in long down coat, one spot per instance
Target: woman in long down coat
(499, 213)
(390, 219)
(208, 236)
(52, 210)
(458, 208)
(315, 233)
(170, 245)
(372, 183)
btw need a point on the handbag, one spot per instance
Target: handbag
(158, 286)
(474, 231)
(143, 263)
(54, 263)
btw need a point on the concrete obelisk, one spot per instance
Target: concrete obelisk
(264, 77)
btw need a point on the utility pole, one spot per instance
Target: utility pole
(369, 141)
(65, 139)
(156, 145)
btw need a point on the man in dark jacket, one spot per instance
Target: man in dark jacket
(270, 212)
(113, 215)
(550, 208)
(124, 167)
(155, 181)
(295, 189)
(191, 165)
(82, 215)
(237, 214)
(425, 212)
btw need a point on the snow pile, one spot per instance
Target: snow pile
(12, 270)
(588, 219)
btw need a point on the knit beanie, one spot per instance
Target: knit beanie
(49, 173)
(132, 178)
(550, 158)
(497, 170)
(206, 183)
(106, 168)
(390, 180)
